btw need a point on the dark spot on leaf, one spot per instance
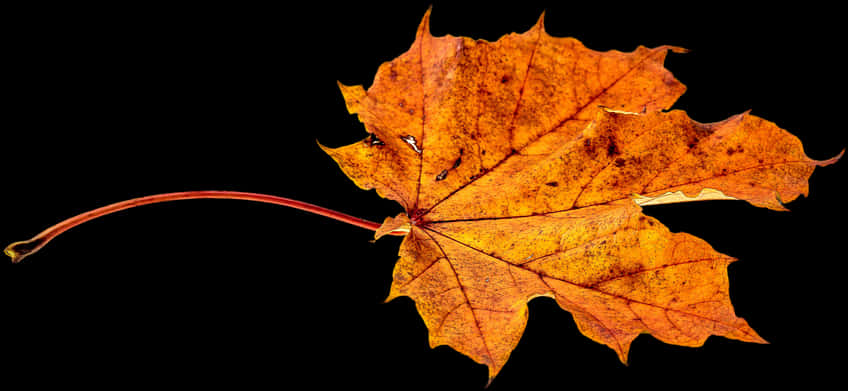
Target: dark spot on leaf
(457, 162)
(619, 162)
(730, 151)
(411, 111)
(693, 139)
(605, 141)
(504, 79)
(401, 104)
(552, 184)
(393, 74)
(442, 175)
(612, 148)
(590, 149)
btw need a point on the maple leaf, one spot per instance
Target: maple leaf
(522, 165)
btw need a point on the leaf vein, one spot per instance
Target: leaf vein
(591, 288)
(558, 125)
(465, 296)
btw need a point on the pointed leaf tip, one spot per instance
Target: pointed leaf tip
(540, 23)
(322, 146)
(823, 163)
(781, 205)
(424, 26)
(748, 334)
(623, 353)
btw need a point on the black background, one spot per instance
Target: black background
(108, 103)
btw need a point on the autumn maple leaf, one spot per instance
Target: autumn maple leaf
(522, 165)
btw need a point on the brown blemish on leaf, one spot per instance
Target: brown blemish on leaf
(737, 149)
(612, 148)
(458, 161)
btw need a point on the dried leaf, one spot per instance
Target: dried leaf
(522, 164)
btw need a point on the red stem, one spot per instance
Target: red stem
(18, 250)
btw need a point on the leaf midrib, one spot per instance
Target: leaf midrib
(608, 202)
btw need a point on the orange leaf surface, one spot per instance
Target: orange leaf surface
(522, 166)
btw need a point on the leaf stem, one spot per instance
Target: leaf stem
(19, 250)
